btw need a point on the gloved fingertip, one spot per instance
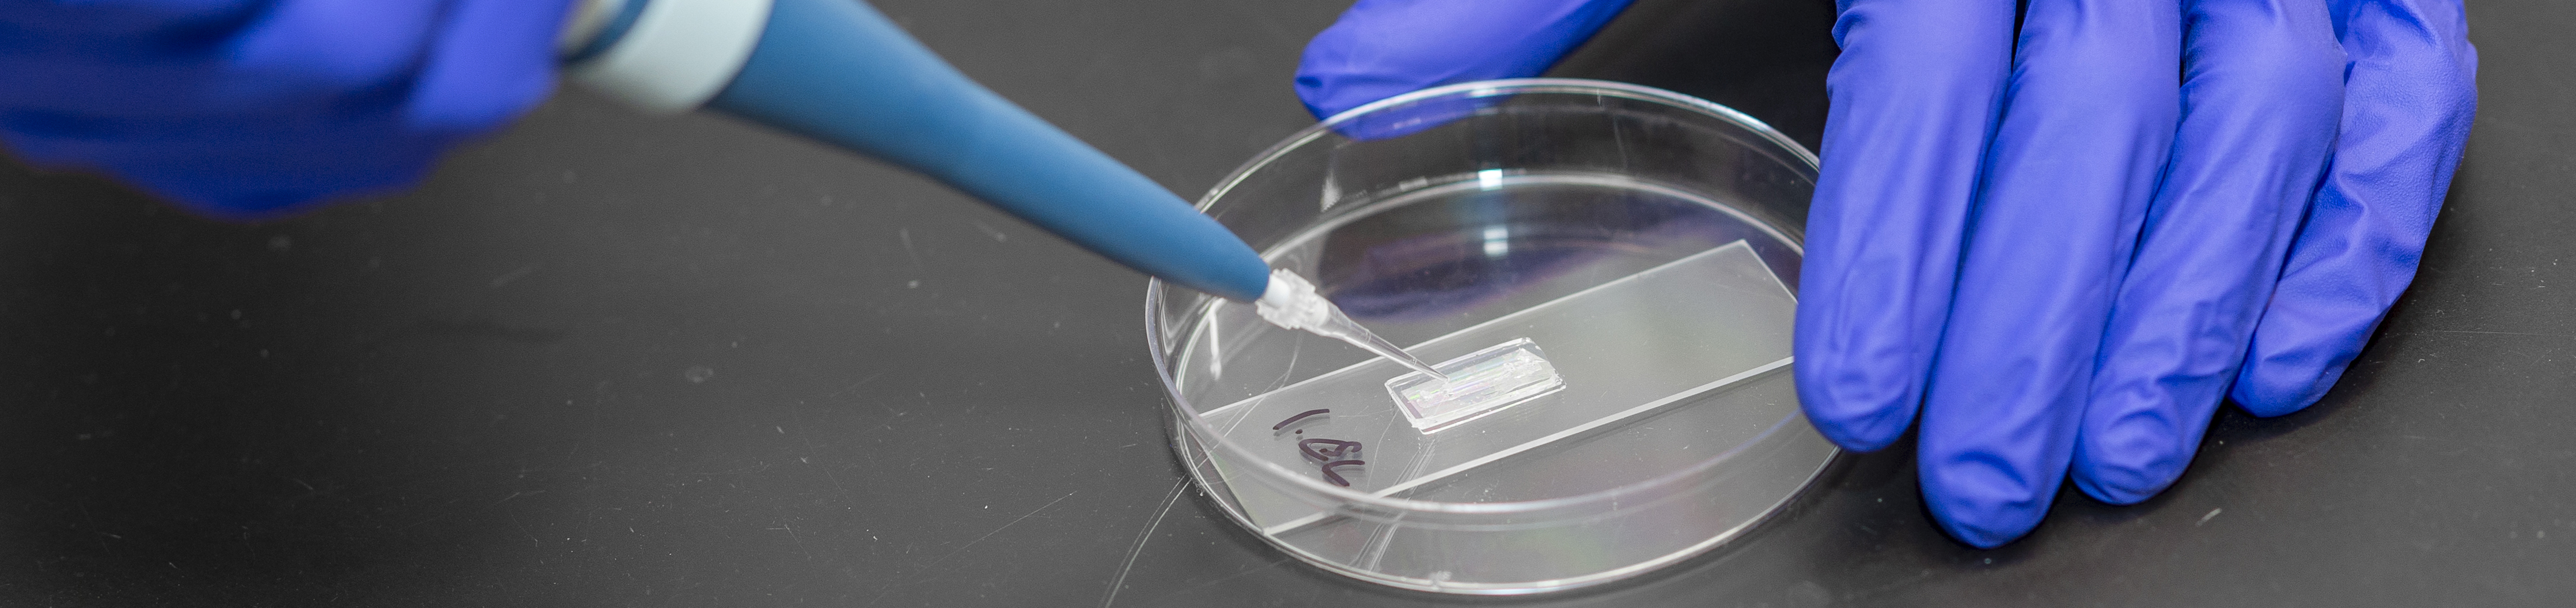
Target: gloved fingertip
(2129, 457)
(1380, 49)
(1988, 530)
(1858, 402)
(1868, 433)
(2280, 398)
(1330, 80)
(1860, 423)
(1326, 95)
(1979, 502)
(2123, 483)
(2270, 392)
(1310, 90)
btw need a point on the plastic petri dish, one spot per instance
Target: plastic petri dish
(1623, 257)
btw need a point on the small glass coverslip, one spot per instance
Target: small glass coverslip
(1480, 383)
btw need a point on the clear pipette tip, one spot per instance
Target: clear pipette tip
(1349, 331)
(1291, 302)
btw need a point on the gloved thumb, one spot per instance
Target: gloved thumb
(1383, 48)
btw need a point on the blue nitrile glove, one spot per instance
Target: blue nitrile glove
(255, 108)
(2056, 252)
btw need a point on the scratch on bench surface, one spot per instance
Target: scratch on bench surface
(1129, 565)
(971, 543)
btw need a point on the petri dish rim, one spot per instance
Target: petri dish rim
(1185, 445)
(1515, 86)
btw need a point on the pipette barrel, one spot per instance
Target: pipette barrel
(838, 71)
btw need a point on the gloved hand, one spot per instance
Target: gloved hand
(256, 108)
(2062, 255)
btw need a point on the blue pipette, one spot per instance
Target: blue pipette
(840, 72)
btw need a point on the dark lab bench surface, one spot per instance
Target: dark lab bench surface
(610, 360)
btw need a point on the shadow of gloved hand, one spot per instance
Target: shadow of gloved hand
(2035, 236)
(256, 108)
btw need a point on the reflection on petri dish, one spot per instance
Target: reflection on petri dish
(1599, 268)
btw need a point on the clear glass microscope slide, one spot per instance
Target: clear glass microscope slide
(1620, 351)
